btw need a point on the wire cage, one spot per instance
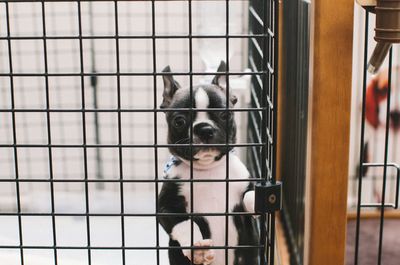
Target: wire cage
(374, 153)
(82, 137)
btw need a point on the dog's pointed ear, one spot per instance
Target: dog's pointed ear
(170, 87)
(220, 80)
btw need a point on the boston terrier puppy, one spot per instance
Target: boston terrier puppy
(209, 163)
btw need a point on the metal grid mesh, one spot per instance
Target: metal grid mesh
(79, 80)
(263, 57)
(375, 189)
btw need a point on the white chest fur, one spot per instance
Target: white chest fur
(211, 198)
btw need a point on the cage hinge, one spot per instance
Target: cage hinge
(268, 197)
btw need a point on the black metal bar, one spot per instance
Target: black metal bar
(263, 52)
(125, 145)
(27, 1)
(155, 106)
(94, 37)
(126, 248)
(227, 209)
(394, 205)
(48, 120)
(84, 134)
(274, 72)
(130, 74)
(131, 110)
(364, 88)
(397, 188)
(378, 205)
(14, 132)
(129, 214)
(124, 180)
(191, 95)
(382, 209)
(120, 157)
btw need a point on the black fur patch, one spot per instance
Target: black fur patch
(171, 202)
(247, 235)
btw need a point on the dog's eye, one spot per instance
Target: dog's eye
(179, 121)
(224, 115)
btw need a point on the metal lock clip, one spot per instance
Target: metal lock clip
(268, 197)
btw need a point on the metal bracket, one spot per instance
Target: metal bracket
(394, 205)
(268, 197)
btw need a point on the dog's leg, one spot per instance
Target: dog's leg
(182, 233)
(248, 229)
(179, 227)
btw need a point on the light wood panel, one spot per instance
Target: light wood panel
(389, 214)
(282, 257)
(281, 101)
(328, 134)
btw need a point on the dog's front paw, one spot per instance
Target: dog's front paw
(249, 202)
(201, 256)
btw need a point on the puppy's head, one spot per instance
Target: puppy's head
(209, 127)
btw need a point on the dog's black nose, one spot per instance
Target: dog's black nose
(204, 130)
(395, 118)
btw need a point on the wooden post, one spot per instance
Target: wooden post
(328, 132)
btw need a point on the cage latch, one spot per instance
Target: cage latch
(268, 197)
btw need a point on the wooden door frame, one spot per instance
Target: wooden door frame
(328, 131)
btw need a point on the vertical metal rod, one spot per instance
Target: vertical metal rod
(85, 160)
(397, 189)
(93, 84)
(361, 161)
(48, 120)
(120, 154)
(382, 217)
(155, 120)
(275, 63)
(264, 125)
(191, 122)
(18, 61)
(227, 210)
(14, 133)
